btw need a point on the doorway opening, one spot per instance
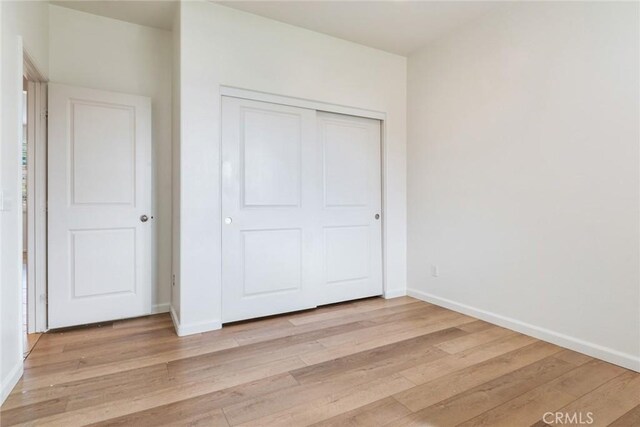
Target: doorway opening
(30, 337)
(33, 204)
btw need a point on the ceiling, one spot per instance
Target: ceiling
(157, 14)
(395, 26)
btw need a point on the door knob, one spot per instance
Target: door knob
(377, 216)
(228, 220)
(144, 218)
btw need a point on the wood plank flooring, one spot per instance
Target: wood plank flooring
(371, 362)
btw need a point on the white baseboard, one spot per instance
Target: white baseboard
(394, 293)
(607, 354)
(11, 380)
(193, 328)
(161, 308)
(174, 319)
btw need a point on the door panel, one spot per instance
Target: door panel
(352, 240)
(99, 185)
(272, 261)
(268, 199)
(347, 162)
(95, 275)
(102, 153)
(352, 236)
(270, 166)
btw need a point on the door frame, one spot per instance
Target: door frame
(36, 196)
(253, 95)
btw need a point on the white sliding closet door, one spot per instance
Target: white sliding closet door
(268, 204)
(301, 194)
(349, 148)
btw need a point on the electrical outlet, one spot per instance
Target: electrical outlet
(434, 270)
(173, 280)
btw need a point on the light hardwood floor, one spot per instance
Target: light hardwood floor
(368, 363)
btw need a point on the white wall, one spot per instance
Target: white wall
(222, 46)
(23, 23)
(103, 53)
(523, 173)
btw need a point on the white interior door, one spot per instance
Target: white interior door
(349, 149)
(268, 205)
(99, 200)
